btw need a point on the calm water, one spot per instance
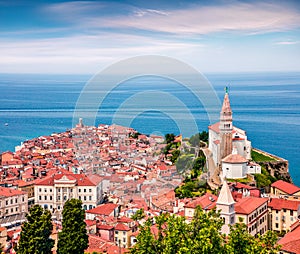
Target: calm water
(266, 105)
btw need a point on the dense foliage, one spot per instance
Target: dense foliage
(201, 136)
(36, 231)
(73, 238)
(171, 234)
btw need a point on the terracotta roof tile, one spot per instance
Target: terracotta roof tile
(122, 227)
(104, 209)
(249, 204)
(279, 203)
(288, 188)
(234, 158)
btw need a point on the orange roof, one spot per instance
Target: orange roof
(8, 192)
(90, 222)
(290, 242)
(206, 202)
(122, 227)
(235, 159)
(81, 179)
(105, 227)
(278, 204)
(249, 204)
(215, 127)
(288, 188)
(104, 209)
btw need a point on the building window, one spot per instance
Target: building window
(50, 190)
(16, 200)
(116, 232)
(90, 190)
(40, 189)
(58, 189)
(79, 190)
(79, 197)
(16, 209)
(84, 198)
(11, 201)
(23, 199)
(45, 197)
(90, 198)
(6, 202)
(124, 233)
(45, 190)
(84, 190)
(124, 240)
(291, 213)
(40, 197)
(50, 197)
(276, 218)
(58, 207)
(276, 225)
(6, 211)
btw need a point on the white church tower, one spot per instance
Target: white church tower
(225, 204)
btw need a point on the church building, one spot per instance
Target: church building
(230, 146)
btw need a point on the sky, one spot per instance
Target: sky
(84, 37)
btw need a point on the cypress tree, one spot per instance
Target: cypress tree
(73, 238)
(36, 231)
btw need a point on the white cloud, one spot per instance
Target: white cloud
(256, 17)
(83, 53)
(287, 42)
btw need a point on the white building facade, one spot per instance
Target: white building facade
(52, 192)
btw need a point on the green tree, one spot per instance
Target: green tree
(169, 137)
(172, 234)
(36, 231)
(175, 155)
(73, 238)
(139, 214)
(240, 241)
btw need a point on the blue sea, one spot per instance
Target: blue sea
(266, 105)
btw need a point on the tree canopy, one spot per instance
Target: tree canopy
(73, 238)
(36, 231)
(172, 234)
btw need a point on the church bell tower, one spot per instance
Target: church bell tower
(225, 128)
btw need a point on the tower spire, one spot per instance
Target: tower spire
(225, 127)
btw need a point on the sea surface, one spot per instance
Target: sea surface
(266, 105)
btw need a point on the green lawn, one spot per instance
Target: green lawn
(258, 157)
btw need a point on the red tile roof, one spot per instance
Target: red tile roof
(81, 179)
(279, 203)
(8, 192)
(206, 202)
(104, 209)
(291, 241)
(288, 188)
(249, 204)
(104, 227)
(215, 127)
(122, 227)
